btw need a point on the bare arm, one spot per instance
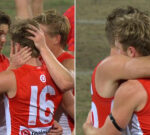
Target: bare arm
(68, 98)
(68, 103)
(129, 97)
(37, 7)
(7, 83)
(63, 77)
(122, 67)
(18, 56)
(23, 9)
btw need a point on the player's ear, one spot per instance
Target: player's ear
(131, 51)
(57, 39)
(17, 47)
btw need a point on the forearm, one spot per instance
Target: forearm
(62, 77)
(123, 67)
(70, 111)
(138, 67)
(90, 130)
(107, 129)
(68, 103)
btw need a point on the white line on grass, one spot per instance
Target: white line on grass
(91, 21)
(89, 72)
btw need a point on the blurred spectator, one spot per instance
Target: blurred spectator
(28, 8)
(70, 15)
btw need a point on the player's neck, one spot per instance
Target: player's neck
(34, 62)
(57, 51)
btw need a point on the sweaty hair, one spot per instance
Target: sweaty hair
(19, 34)
(112, 18)
(56, 24)
(134, 30)
(4, 19)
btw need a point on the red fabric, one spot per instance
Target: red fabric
(144, 114)
(28, 77)
(70, 15)
(65, 56)
(4, 62)
(71, 123)
(101, 107)
(61, 58)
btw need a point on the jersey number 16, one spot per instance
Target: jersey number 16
(43, 105)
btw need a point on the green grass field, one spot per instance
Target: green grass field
(8, 6)
(92, 46)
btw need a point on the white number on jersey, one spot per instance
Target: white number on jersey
(95, 115)
(44, 105)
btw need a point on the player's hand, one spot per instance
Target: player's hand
(56, 129)
(38, 37)
(18, 56)
(88, 126)
(73, 133)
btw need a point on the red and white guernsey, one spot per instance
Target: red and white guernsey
(31, 110)
(4, 63)
(140, 124)
(65, 121)
(100, 107)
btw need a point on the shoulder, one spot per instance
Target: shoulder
(8, 80)
(108, 66)
(113, 68)
(114, 61)
(130, 87)
(9, 75)
(131, 92)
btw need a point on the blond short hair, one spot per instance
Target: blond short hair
(56, 24)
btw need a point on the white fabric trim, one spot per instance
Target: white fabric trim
(91, 90)
(7, 115)
(135, 126)
(63, 121)
(95, 115)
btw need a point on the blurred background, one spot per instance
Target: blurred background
(8, 6)
(92, 46)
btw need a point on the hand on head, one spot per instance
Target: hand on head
(19, 56)
(38, 37)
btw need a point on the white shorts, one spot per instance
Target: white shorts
(3, 130)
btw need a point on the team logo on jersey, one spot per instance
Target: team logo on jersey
(34, 131)
(25, 132)
(43, 78)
